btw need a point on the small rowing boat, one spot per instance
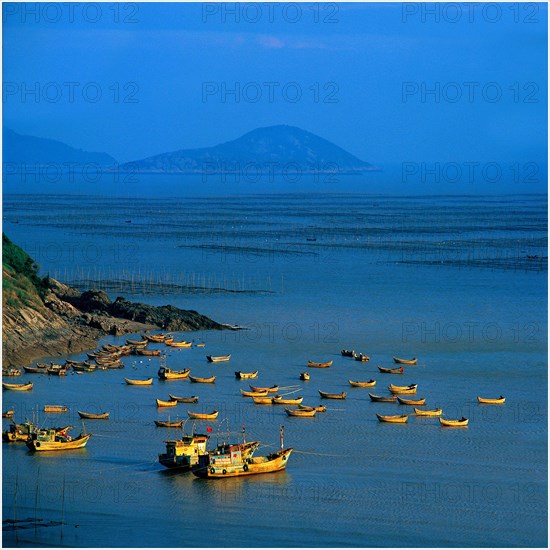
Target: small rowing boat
(381, 399)
(161, 403)
(34, 370)
(17, 387)
(347, 353)
(320, 408)
(200, 416)
(432, 412)
(397, 370)
(180, 344)
(362, 357)
(304, 413)
(253, 393)
(55, 408)
(491, 400)
(263, 400)
(164, 373)
(192, 399)
(93, 416)
(304, 376)
(84, 368)
(403, 389)
(218, 358)
(463, 422)
(368, 384)
(245, 375)
(200, 380)
(168, 424)
(156, 338)
(132, 382)
(405, 361)
(394, 419)
(279, 400)
(148, 352)
(421, 401)
(138, 343)
(272, 389)
(319, 365)
(327, 395)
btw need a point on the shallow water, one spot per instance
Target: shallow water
(446, 279)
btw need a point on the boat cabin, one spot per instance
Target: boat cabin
(184, 452)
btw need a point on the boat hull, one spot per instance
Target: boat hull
(43, 446)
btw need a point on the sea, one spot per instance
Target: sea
(459, 282)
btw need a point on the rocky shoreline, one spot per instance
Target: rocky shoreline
(70, 321)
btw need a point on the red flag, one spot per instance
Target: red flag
(208, 429)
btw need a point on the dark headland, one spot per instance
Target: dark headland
(44, 317)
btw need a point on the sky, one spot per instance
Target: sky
(391, 83)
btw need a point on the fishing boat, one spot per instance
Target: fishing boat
(347, 353)
(491, 400)
(50, 440)
(180, 344)
(87, 368)
(55, 408)
(432, 412)
(394, 419)
(168, 424)
(148, 352)
(56, 370)
(93, 416)
(78, 363)
(405, 361)
(315, 365)
(218, 358)
(22, 432)
(137, 342)
(304, 376)
(381, 399)
(131, 382)
(171, 403)
(403, 389)
(244, 375)
(319, 408)
(368, 384)
(421, 401)
(362, 357)
(463, 422)
(157, 338)
(230, 461)
(203, 416)
(397, 370)
(17, 387)
(8, 414)
(279, 400)
(305, 413)
(271, 389)
(183, 453)
(326, 395)
(192, 399)
(253, 393)
(263, 400)
(11, 372)
(164, 373)
(34, 370)
(200, 380)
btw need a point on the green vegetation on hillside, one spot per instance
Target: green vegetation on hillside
(20, 281)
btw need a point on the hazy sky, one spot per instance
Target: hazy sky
(359, 75)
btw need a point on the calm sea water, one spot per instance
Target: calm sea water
(446, 279)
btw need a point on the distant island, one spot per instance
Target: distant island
(43, 317)
(270, 150)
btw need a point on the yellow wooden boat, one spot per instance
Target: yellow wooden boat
(50, 440)
(55, 408)
(263, 400)
(227, 461)
(279, 400)
(463, 422)
(403, 389)
(17, 387)
(405, 361)
(315, 365)
(320, 408)
(180, 344)
(200, 416)
(326, 395)
(394, 419)
(137, 342)
(253, 393)
(132, 382)
(368, 384)
(168, 340)
(200, 380)
(305, 413)
(421, 401)
(156, 338)
(491, 400)
(245, 375)
(429, 412)
(164, 373)
(93, 416)
(272, 389)
(218, 358)
(168, 424)
(161, 403)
